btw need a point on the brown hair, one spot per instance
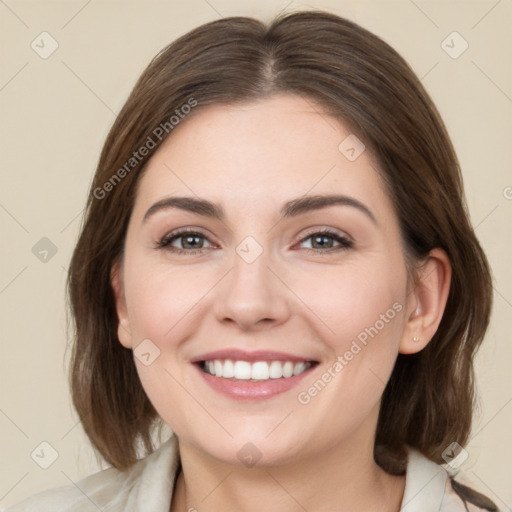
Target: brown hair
(362, 81)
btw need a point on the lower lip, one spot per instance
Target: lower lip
(255, 390)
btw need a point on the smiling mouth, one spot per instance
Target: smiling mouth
(254, 371)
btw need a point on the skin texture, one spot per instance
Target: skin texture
(251, 159)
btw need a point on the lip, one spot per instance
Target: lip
(251, 390)
(251, 357)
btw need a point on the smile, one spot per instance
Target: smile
(254, 371)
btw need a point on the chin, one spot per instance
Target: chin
(251, 447)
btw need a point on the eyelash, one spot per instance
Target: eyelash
(165, 242)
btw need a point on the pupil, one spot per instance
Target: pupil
(322, 237)
(190, 238)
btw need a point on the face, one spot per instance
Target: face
(296, 306)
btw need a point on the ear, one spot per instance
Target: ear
(426, 302)
(123, 326)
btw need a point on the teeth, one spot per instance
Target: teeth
(260, 370)
(287, 369)
(242, 370)
(299, 368)
(276, 370)
(228, 370)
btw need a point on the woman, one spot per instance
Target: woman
(277, 262)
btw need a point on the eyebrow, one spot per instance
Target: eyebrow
(291, 208)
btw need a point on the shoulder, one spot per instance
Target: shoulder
(148, 482)
(82, 496)
(430, 487)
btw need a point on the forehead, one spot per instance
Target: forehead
(261, 154)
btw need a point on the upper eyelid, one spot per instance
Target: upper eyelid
(310, 231)
(327, 231)
(184, 232)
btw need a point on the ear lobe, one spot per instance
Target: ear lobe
(123, 326)
(427, 302)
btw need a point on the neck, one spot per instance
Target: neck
(343, 478)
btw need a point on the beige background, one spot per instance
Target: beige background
(55, 114)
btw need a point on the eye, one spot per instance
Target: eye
(324, 240)
(191, 241)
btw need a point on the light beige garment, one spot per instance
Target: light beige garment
(147, 487)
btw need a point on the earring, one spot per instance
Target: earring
(415, 339)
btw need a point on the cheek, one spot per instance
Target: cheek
(163, 304)
(161, 300)
(362, 311)
(166, 390)
(366, 313)
(357, 301)
(161, 308)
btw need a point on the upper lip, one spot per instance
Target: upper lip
(243, 355)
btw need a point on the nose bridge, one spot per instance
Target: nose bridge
(252, 293)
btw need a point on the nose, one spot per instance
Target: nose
(252, 296)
